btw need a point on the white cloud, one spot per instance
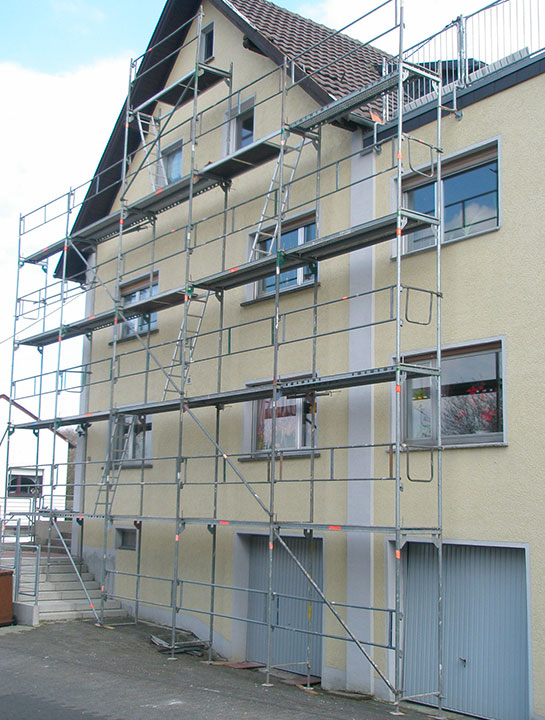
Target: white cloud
(55, 130)
(422, 18)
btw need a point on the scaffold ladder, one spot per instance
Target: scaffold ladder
(184, 348)
(147, 125)
(267, 228)
(120, 439)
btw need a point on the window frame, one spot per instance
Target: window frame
(206, 33)
(464, 162)
(476, 439)
(171, 151)
(301, 279)
(121, 533)
(16, 492)
(132, 459)
(129, 329)
(303, 414)
(243, 109)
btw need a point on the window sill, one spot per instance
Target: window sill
(455, 446)
(410, 253)
(284, 455)
(286, 291)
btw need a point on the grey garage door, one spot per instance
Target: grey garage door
(485, 628)
(288, 647)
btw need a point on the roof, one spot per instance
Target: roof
(295, 36)
(268, 29)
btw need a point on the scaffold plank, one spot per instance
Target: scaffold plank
(290, 388)
(346, 104)
(364, 235)
(173, 94)
(165, 300)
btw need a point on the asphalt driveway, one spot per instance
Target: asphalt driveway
(68, 670)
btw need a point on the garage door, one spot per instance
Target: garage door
(289, 648)
(485, 628)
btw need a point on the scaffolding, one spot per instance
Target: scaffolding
(188, 226)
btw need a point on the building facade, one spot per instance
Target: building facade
(307, 404)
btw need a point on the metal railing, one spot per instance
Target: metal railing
(474, 45)
(11, 558)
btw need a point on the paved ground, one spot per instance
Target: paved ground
(69, 670)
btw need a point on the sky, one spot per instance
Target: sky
(64, 68)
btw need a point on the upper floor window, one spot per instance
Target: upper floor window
(133, 292)
(207, 43)
(24, 484)
(244, 130)
(291, 237)
(241, 125)
(132, 439)
(471, 398)
(172, 162)
(293, 424)
(470, 199)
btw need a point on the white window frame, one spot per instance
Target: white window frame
(207, 32)
(465, 161)
(300, 226)
(136, 451)
(138, 289)
(243, 109)
(303, 420)
(174, 150)
(456, 440)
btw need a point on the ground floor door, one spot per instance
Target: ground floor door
(485, 628)
(292, 611)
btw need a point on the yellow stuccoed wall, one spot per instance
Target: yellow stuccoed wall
(165, 256)
(493, 287)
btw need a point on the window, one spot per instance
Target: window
(293, 423)
(132, 439)
(125, 538)
(471, 398)
(24, 484)
(131, 293)
(291, 237)
(207, 43)
(172, 162)
(241, 125)
(470, 199)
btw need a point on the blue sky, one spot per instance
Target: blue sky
(63, 34)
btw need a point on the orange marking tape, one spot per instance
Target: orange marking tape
(271, 546)
(334, 527)
(398, 388)
(177, 538)
(233, 269)
(224, 522)
(398, 554)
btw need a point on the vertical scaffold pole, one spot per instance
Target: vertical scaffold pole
(275, 393)
(398, 379)
(184, 358)
(112, 427)
(440, 235)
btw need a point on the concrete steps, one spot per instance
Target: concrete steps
(61, 596)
